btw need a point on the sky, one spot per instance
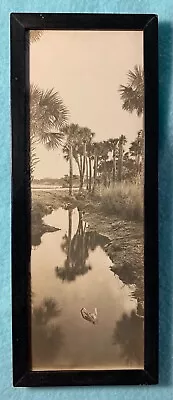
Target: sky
(86, 68)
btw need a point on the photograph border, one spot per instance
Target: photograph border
(21, 23)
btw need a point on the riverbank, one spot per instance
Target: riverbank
(125, 247)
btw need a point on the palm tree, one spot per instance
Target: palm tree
(71, 132)
(129, 167)
(113, 147)
(80, 139)
(132, 94)
(103, 158)
(86, 137)
(48, 116)
(96, 149)
(121, 142)
(70, 211)
(136, 151)
(47, 101)
(90, 156)
(87, 171)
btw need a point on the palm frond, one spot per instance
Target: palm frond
(136, 77)
(48, 116)
(51, 140)
(132, 94)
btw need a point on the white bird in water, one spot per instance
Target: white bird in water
(91, 317)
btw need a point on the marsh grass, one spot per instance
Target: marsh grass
(124, 199)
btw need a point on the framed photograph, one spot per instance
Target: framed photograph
(84, 106)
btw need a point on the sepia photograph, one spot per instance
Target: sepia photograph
(87, 162)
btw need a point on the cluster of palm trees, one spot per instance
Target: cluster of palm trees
(97, 162)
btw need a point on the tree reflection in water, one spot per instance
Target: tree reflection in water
(77, 249)
(47, 337)
(125, 272)
(128, 276)
(129, 334)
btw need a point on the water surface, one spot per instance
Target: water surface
(70, 270)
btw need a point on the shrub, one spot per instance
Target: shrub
(124, 199)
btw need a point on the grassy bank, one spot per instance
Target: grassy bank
(124, 200)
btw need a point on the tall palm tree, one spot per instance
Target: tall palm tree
(48, 116)
(136, 151)
(113, 147)
(34, 36)
(86, 137)
(70, 132)
(90, 166)
(104, 150)
(70, 211)
(121, 142)
(132, 94)
(96, 151)
(90, 156)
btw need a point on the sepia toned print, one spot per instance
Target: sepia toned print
(87, 182)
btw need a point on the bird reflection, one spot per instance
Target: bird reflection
(129, 335)
(77, 249)
(47, 337)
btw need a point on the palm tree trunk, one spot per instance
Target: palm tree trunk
(83, 166)
(105, 174)
(95, 172)
(143, 159)
(120, 161)
(84, 159)
(81, 181)
(138, 164)
(69, 236)
(87, 168)
(81, 174)
(138, 155)
(70, 170)
(90, 173)
(114, 165)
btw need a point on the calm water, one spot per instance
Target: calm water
(50, 188)
(71, 270)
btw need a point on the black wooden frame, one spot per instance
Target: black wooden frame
(21, 241)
